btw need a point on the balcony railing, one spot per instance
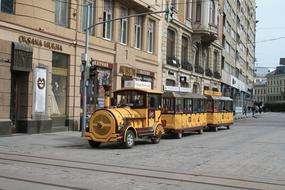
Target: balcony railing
(173, 61)
(209, 72)
(217, 75)
(199, 69)
(187, 66)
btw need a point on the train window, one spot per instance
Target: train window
(217, 105)
(195, 105)
(209, 106)
(229, 106)
(201, 106)
(222, 106)
(168, 105)
(154, 101)
(130, 98)
(179, 105)
(188, 105)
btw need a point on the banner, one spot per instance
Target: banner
(40, 90)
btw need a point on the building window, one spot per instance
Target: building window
(198, 11)
(184, 50)
(138, 32)
(107, 15)
(212, 12)
(188, 9)
(7, 6)
(215, 61)
(150, 37)
(124, 26)
(61, 13)
(91, 16)
(170, 82)
(170, 44)
(60, 64)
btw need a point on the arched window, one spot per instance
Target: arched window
(212, 12)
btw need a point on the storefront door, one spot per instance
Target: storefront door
(19, 98)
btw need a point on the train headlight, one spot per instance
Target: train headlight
(120, 127)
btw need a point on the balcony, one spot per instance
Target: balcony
(208, 72)
(173, 62)
(208, 33)
(217, 75)
(187, 66)
(199, 69)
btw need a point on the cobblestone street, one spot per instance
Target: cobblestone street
(251, 155)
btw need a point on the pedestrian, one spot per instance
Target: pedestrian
(244, 109)
(253, 110)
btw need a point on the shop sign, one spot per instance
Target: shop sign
(238, 84)
(137, 84)
(40, 90)
(146, 73)
(40, 43)
(127, 71)
(103, 64)
(181, 89)
(171, 88)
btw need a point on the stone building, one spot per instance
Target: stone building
(191, 49)
(41, 43)
(276, 89)
(238, 61)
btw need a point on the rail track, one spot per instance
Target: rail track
(163, 175)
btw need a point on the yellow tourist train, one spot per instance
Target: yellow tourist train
(135, 114)
(219, 110)
(183, 112)
(144, 113)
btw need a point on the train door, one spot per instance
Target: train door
(154, 112)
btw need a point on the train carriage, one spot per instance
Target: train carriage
(135, 114)
(183, 112)
(219, 111)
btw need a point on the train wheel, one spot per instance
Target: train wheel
(130, 139)
(201, 131)
(94, 144)
(155, 140)
(179, 135)
(228, 127)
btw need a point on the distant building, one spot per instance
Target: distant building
(260, 84)
(276, 89)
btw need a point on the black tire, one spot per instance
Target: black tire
(201, 131)
(94, 144)
(228, 127)
(179, 135)
(155, 140)
(215, 129)
(130, 139)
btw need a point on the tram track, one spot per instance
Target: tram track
(163, 175)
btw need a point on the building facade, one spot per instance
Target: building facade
(238, 61)
(260, 84)
(191, 50)
(41, 43)
(276, 89)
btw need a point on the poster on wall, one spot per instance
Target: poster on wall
(40, 90)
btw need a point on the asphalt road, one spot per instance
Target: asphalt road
(251, 155)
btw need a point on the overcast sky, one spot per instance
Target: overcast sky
(271, 16)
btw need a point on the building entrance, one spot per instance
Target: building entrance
(19, 99)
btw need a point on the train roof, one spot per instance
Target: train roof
(183, 95)
(225, 98)
(140, 90)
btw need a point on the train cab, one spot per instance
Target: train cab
(219, 111)
(183, 113)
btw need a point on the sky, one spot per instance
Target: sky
(271, 17)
